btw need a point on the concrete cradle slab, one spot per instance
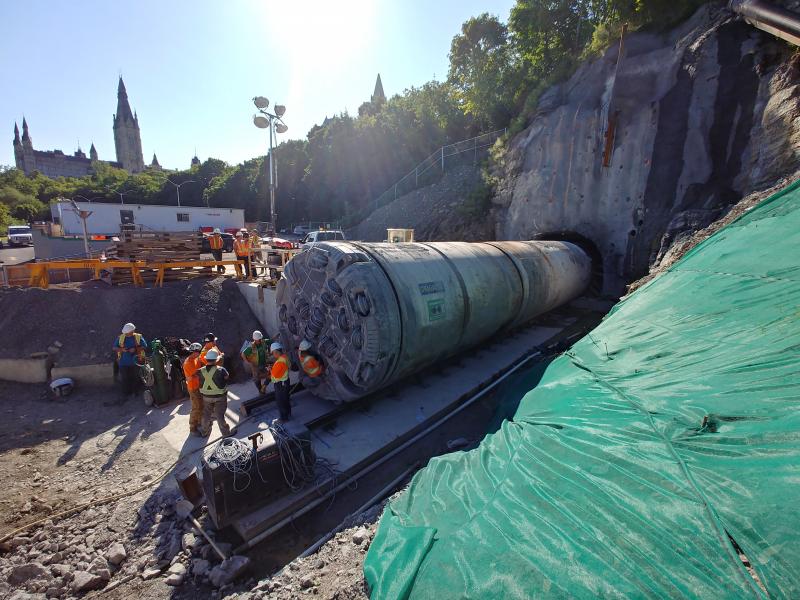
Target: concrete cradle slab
(262, 302)
(94, 375)
(25, 370)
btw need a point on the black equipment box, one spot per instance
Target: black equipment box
(229, 493)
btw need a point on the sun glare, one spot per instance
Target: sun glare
(323, 35)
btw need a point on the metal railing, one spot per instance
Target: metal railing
(430, 170)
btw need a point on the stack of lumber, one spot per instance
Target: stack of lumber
(157, 247)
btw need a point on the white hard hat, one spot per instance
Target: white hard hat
(196, 347)
(275, 346)
(128, 328)
(238, 234)
(62, 387)
(212, 356)
(216, 230)
(257, 335)
(304, 345)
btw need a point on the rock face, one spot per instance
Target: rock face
(701, 116)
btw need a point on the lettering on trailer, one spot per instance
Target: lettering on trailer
(431, 287)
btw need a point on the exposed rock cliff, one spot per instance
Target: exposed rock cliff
(704, 115)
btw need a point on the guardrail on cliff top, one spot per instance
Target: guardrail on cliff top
(430, 170)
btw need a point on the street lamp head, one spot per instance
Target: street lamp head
(280, 109)
(261, 102)
(260, 122)
(281, 128)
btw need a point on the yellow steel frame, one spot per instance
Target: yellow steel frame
(39, 272)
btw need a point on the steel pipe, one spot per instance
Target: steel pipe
(377, 313)
(769, 17)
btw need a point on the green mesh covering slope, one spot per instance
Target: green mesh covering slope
(607, 482)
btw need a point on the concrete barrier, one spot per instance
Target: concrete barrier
(25, 370)
(262, 302)
(91, 375)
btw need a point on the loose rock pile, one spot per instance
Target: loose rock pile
(109, 545)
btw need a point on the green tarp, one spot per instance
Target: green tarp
(644, 454)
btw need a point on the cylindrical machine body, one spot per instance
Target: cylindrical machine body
(376, 313)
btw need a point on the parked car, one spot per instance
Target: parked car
(301, 230)
(227, 242)
(20, 235)
(313, 237)
(276, 242)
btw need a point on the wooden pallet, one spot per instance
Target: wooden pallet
(157, 247)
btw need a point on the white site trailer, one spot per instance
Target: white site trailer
(108, 218)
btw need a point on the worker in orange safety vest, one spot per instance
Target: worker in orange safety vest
(311, 364)
(190, 367)
(216, 244)
(210, 343)
(279, 375)
(241, 247)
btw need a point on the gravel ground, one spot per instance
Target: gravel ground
(85, 318)
(436, 212)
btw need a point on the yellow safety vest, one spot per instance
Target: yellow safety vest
(138, 346)
(208, 387)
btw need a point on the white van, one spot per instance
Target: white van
(20, 235)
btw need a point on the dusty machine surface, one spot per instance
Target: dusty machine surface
(376, 313)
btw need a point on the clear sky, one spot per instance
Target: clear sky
(191, 68)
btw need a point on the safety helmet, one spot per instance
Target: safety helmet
(128, 328)
(216, 230)
(257, 335)
(238, 234)
(304, 345)
(212, 356)
(62, 387)
(196, 347)
(275, 346)
(210, 337)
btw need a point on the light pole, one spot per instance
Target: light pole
(178, 186)
(83, 214)
(275, 124)
(89, 199)
(118, 193)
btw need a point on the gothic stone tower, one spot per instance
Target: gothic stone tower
(23, 149)
(127, 138)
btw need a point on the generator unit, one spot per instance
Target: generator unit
(240, 474)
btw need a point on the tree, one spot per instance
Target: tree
(5, 218)
(480, 68)
(30, 210)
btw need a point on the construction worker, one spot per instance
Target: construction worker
(311, 364)
(210, 343)
(241, 248)
(256, 355)
(191, 365)
(216, 243)
(214, 392)
(255, 250)
(279, 374)
(130, 348)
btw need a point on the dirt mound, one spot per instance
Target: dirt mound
(86, 318)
